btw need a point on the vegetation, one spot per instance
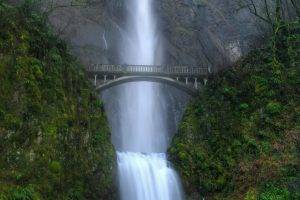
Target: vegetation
(240, 138)
(54, 138)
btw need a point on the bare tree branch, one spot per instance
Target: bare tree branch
(54, 6)
(267, 10)
(253, 10)
(297, 9)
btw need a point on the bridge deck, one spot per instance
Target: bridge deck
(149, 70)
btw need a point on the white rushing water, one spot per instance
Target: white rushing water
(147, 176)
(143, 170)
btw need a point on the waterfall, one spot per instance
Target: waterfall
(140, 132)
(147, 176)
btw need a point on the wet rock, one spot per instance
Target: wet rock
(212, 33)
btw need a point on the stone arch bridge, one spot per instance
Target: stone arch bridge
(186, 78)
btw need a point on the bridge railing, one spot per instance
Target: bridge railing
(149, 69)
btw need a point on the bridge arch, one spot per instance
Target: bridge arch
(159, 79)
(185, 78)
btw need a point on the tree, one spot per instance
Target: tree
(271, 11)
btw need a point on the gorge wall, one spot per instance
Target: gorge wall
(196, 32)
(54, 135)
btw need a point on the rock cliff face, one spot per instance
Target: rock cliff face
(92, 28)
(214, 33)
(196, 32)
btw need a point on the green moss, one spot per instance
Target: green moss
(55, 167)
(244, 106)
(251, 194)
(54, 136)
(273, 108)
(26, 192)
(242, 132)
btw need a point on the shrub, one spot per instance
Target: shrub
(275, 193)
(23, 193)
(55, 167)
(273, 108)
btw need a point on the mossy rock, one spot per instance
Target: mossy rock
(54, 137)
